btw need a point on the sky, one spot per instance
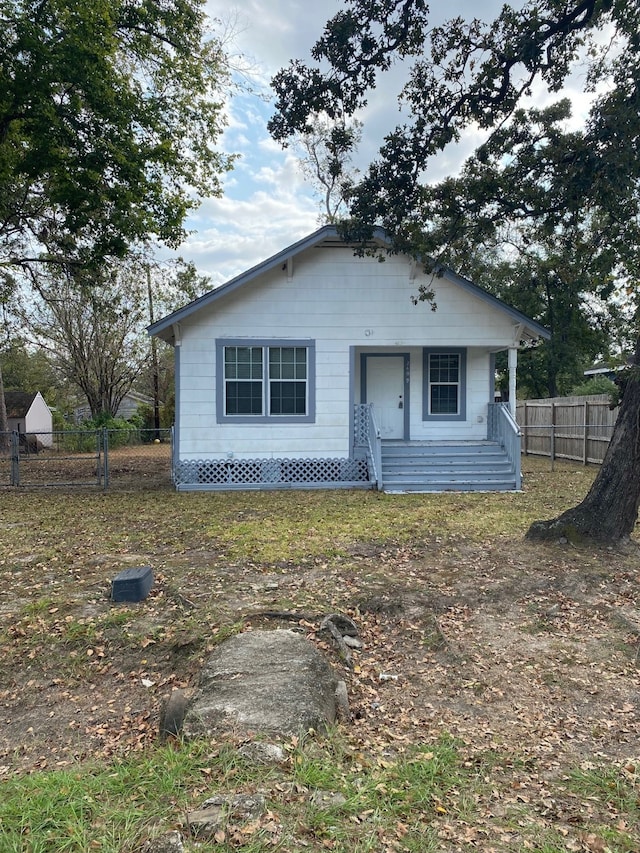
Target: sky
(267, 205)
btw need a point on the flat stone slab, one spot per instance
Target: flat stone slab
(270, 682)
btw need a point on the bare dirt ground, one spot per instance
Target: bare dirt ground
(138, 466)
(496, 644)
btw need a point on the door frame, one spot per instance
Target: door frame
(406, 400)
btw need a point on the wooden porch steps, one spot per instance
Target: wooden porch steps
(446, 466)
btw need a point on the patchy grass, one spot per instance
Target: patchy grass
(494, 704)
(99, 807)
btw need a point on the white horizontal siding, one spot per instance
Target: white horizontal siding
(338, 301)
(358, 301)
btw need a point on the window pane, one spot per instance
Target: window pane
(444, 367)
(274, 363)
(243, 398)
(288, 368)
(230, 369)
(288, 398)
(287, 363)
(301, 363)
(444, 399)
(243, 362)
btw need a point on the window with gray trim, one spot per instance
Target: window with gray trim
(264, 380)
(444, 384)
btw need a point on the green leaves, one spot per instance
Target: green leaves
(357, 43)
(541, 214)
(109, 117)
(468, 74)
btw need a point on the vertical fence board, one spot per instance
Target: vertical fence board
(576, 428)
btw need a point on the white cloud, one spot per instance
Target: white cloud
(240, 241)
(267, 205)
(268, 144)
(261, 212)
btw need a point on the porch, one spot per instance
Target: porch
(491, 464)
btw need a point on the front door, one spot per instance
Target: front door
(384, 378)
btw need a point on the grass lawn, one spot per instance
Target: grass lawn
(495, 704)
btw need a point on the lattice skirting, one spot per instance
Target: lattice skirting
(236, 473)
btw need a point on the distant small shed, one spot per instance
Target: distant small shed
(29, 413)
(130, 404)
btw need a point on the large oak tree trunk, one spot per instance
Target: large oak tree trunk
(610, 510)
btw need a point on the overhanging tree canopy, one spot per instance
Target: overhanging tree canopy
(530, 170)
(109, 116)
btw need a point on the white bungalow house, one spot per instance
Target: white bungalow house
(28, 414)
(317, 368)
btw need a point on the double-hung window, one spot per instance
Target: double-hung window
(264, 380)
(444, 384)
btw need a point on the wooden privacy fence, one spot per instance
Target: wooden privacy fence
(577, 428)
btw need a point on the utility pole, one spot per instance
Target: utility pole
(5, 438)
(154, 361)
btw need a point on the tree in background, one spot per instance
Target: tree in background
(554, 184)
(27, 369)
(560, 259)
(325, 153)
(110, 113)
(91, 331)
(93, 328)
(169, 286)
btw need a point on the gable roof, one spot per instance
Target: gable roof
(18, 403)
(328, 236)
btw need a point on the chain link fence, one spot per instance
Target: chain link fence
(100, 459)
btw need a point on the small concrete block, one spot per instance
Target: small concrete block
(132, 584)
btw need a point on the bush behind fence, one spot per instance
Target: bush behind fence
(102, 458)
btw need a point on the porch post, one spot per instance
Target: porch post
(513, 363)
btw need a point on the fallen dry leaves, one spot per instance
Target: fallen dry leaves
(526, 656)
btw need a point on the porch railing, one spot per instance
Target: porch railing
(503, 429)
(367, 437)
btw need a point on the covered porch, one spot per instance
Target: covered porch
(490, 463)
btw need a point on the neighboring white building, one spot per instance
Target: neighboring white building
(128, 407)
(279, 371)
(29, 414)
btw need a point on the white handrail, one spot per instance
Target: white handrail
(375, 446)
(368, 437)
